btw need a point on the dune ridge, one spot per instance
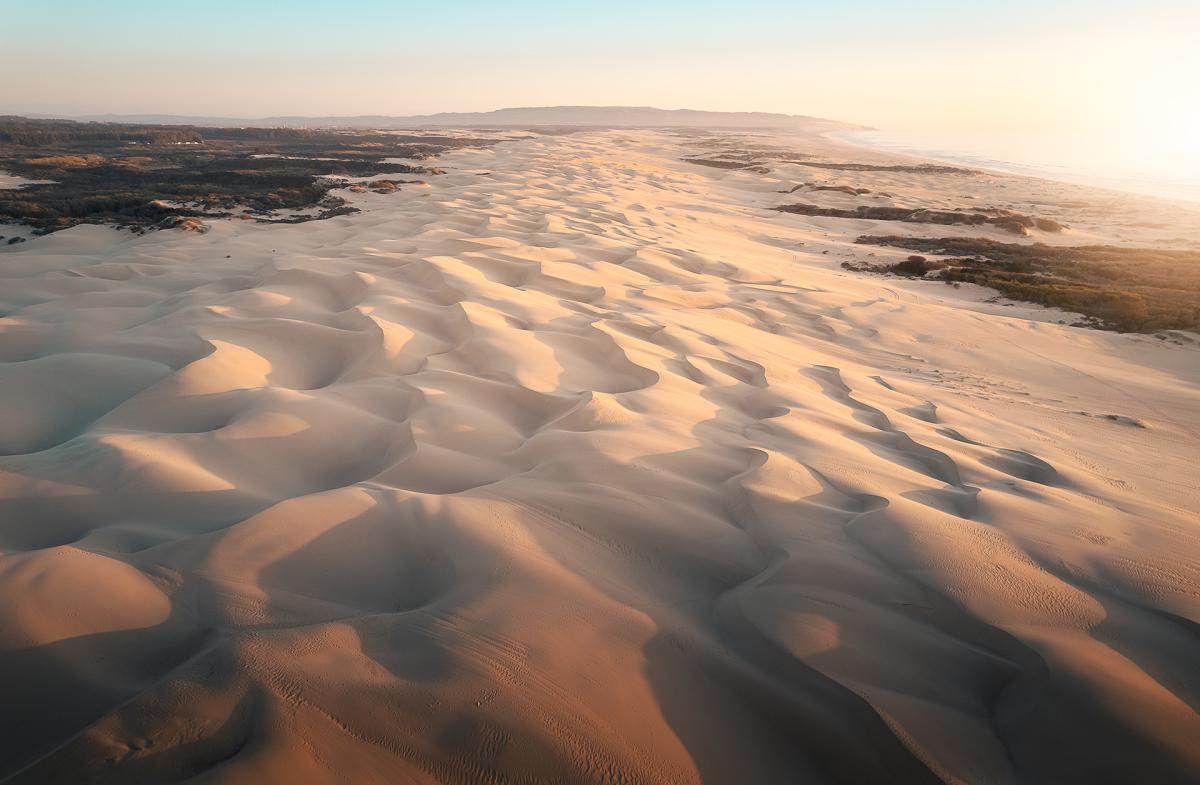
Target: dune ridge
(580, 464)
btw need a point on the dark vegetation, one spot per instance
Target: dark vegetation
(1127, 289)
(754, 157)
(122, 174)
(1003, 219)
(846, 189)
(911, 169)
(718, 163)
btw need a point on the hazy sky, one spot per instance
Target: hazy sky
(1080, 74)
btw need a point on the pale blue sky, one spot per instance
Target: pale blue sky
(227, 26)
(1113, 70)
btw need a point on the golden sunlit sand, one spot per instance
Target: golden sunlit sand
(581, 464)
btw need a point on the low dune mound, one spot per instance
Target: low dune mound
(184, 224)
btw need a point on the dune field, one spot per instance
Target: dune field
(581, 464)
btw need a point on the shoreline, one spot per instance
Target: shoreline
(1186, 192)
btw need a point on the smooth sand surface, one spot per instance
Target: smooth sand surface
(579, 465)
(13, 181)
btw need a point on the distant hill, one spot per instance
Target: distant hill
(550, 116)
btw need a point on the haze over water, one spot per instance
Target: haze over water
(1057, 158)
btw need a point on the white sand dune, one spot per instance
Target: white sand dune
(578, 465)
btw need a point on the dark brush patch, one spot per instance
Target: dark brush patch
(1126, 289)
(127, 174)
(1007, 220)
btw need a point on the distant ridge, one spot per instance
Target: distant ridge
(555, 116)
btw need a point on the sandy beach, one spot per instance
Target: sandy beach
(581, 464)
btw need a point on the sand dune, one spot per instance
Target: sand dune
(579, 464)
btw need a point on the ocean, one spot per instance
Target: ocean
(987, 154)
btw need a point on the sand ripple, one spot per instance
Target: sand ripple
(578, 465)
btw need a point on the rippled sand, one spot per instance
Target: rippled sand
(579, 465)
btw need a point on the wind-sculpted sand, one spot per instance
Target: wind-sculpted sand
(579, 464)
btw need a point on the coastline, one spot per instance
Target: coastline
(1185, 190)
